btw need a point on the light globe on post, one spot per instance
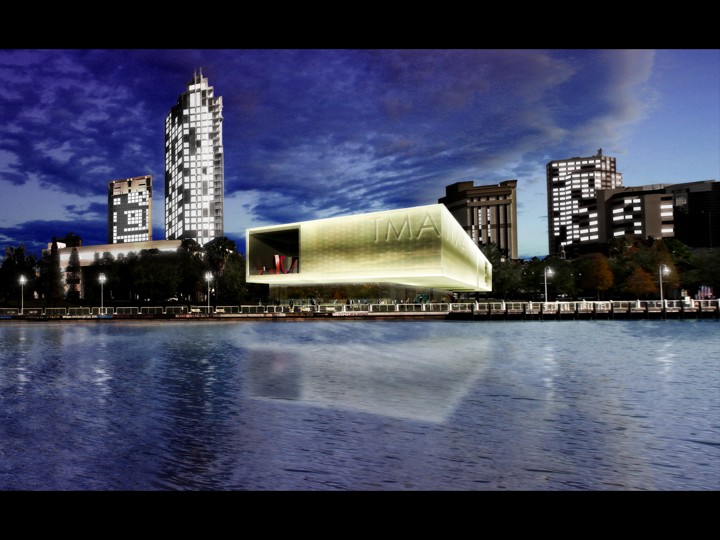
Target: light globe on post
(23, 281)
(208, 277)
(548, 272)
(101, 279)
(663, 269)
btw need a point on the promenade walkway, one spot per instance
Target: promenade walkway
(499, 310)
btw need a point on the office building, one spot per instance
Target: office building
(487, 213)
(572, 185)
(697, 213)
(194, 176)
(130, 210)
(636, 213)
(422, 247)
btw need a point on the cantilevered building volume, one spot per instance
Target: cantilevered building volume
(422, 247)
(130, 210)
(194, 170)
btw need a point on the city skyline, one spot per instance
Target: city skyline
(311, 134)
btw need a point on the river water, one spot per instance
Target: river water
(360, 405)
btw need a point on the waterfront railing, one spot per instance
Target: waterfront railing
(493, 309)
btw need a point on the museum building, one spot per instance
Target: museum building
(422, 247)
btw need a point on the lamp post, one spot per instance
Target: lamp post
(23, 280)
(663, 269)
(208, 277)
(101, 279)
(547, 272)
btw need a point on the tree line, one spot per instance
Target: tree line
(147, 276)
(624, 271)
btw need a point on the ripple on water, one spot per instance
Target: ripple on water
(360, 405)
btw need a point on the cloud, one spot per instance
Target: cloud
(309, 133)
(64, 115)
(36, 235)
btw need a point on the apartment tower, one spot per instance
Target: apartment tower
(573, 213)
(130, 210)
(487, 213)
(194, 175)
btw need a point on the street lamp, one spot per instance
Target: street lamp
(663, 269)
(548, 272)
(101, 279)
(208, 277)
(23, 280)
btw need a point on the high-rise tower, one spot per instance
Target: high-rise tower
(573, 214)
(130, 210)
(194, 175)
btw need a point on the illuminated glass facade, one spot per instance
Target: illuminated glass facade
(573, 213)
(130, 210)
(194, 169)
(423, 246)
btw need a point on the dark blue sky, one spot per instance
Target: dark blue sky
(320, 133)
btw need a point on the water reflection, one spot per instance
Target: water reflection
(421, 382)
(354, 405)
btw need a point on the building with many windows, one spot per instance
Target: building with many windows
(588, 207)
(572, 185)
(487, 213)
(130, 210)
(194, 169)
(636, 213)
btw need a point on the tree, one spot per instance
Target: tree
(232, 286)
(218, 252)
(17, 263)
(562, 278)
(704, 270)
(506, 273)
(190, 245)
(72, 277)
(157, 275)
(618, 247)
(533, 280)
(594, 273)
(51, 286)
(640, 283)
(192, 270)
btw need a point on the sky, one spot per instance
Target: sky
(316, 133)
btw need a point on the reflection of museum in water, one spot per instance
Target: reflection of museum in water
(390, 255)
(427, 385)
